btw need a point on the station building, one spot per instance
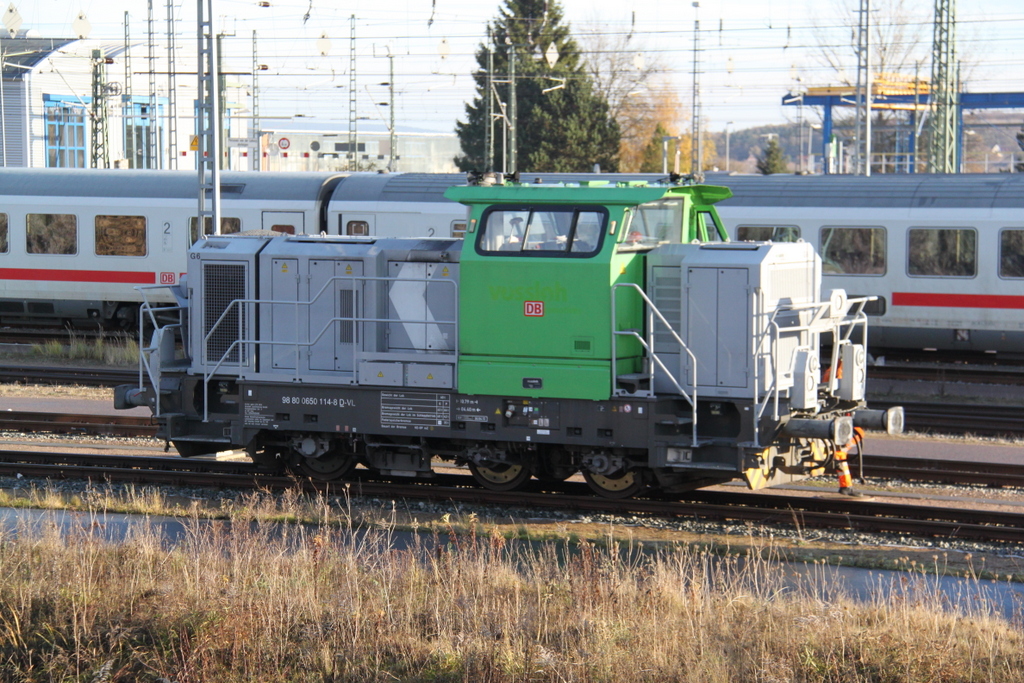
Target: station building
(49, 117)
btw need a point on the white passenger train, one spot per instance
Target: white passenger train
(75, 243)
(943, 254)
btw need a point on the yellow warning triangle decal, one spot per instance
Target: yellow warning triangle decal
(284, 267)
(497, 411)
(430, 377)
(348, 270)
(444, 272)
(380, 374)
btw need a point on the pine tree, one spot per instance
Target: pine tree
(652, 159)
(772, 161)
(564, 130)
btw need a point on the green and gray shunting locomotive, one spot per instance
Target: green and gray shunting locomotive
(603, 329)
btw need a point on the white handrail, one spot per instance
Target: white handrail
(240, 341)
(648, 346)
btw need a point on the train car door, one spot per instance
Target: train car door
(290, 222)
(357, 224)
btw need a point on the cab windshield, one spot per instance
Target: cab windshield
(654, 223)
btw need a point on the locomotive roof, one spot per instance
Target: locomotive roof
(83, 182)
(594, 193)
(917, 191)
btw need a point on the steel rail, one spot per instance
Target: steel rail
(93, 377)
(758, 507)
(942, 471)
(69, 423)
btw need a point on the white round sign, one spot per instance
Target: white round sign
(284, 143)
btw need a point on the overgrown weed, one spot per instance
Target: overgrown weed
(118, 349)
(252, 599)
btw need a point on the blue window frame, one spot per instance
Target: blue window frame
(140, 124)
(65, 132)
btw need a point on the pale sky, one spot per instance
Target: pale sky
(753, 51)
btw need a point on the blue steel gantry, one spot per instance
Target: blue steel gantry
(896, 95)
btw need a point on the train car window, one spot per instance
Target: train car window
(51, 233)
(762, 233)
(1011, 253)
(3, 233)
(359, 228)
(943, 252)
(284, 229)
(228, 226)
(551, 230)
(853, 251)
(120, 235)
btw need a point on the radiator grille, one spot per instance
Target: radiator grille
(583, 346)
(667, 293)
(348, 310)
(223, 283)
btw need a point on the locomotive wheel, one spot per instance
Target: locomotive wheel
(621, 485)
(331, 465)
(501, 477)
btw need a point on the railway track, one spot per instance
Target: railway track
(59, 375)
(61, 335)
(830, 512)
(940, 471)
(68, 423)
(967, 374)
(946, 418)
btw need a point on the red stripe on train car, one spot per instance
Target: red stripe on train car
(122, 277)
(957, 300)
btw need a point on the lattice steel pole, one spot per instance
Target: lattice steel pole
(209, 121)
(100, 154)
(942, 157)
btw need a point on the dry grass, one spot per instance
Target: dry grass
(115, 350)
(253, 600)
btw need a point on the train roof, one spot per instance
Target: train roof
(396, 187)
(84, 182)
(914, 191)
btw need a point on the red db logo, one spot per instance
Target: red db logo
(167, 278)
(533, 309)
